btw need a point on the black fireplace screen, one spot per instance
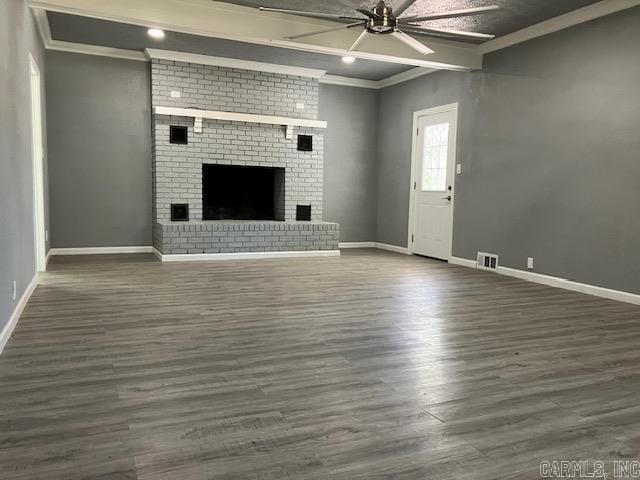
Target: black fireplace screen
(233, 192)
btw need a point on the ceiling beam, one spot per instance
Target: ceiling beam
(223, 20)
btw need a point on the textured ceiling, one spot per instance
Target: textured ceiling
(514, 14)
(90, 31)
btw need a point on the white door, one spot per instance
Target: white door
(432, 199)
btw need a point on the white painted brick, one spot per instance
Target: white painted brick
(177, 169)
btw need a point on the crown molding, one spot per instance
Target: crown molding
(377, 84)
(349, 81)
(575, 17)
(96, 50)
(42, 22)
(405, 76)
(233, 63)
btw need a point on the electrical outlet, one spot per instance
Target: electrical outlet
(458, 169)
(175, 94)
(529, 262)
(300, 106)
(46, 235)
(14, 290)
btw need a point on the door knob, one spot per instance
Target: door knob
(448, 197)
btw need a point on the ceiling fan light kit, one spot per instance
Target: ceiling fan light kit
(380, 20)
(385, 20)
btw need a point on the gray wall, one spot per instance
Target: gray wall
(549, 141)
(350, 176)
(99, 150)
(18, 37)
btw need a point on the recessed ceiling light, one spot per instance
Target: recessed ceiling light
(348, 59)
(156, 33)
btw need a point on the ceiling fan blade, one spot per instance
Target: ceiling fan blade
(412, 42)
(328, 16)
(451, 14)
(402, 6)
(368, 13)
(358, 40)
(327, 30)
(447, 32)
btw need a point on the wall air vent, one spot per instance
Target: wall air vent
(487, 261)
(179, 212)
(178, 134)
(305, 143)
(303, 213)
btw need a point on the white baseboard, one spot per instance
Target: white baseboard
(15, 316)
(99, 250)
(199, 257)
(219, 256)
(357, 245)
(381, 246)
(557, 282)
(465, 262)
(392, 248)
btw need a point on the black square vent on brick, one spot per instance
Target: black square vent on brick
(303, 213)
(178, 134)
(305, 143)
(179, 212)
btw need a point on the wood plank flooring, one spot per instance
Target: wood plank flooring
(372, 365)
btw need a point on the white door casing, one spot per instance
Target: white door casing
(38, 165)
(432, 181)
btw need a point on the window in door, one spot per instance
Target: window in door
(434, 158)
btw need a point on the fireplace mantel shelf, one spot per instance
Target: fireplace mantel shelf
(198, 115)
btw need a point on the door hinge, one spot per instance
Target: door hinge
(414, 185)
(417, 132)
(412, 238)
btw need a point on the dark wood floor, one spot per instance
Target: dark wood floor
(373, 365)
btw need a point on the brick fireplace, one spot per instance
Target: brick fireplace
(234, 165)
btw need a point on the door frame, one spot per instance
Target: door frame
(37, 153)
(450, 107)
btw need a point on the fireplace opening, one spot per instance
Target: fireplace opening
(234, 192)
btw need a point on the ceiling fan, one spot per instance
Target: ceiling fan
(382, 19)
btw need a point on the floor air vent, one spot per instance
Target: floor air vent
(487, 261)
